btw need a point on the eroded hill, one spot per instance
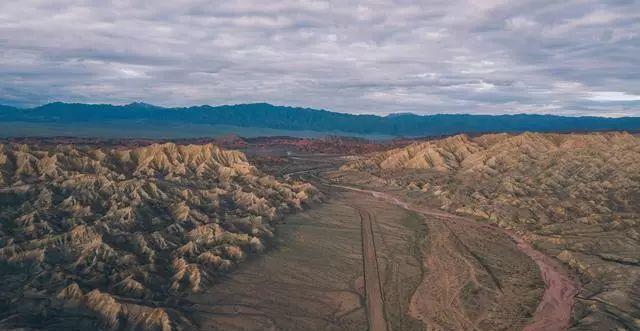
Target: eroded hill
(575, 197)
(112, 237)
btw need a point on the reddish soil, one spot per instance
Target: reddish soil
(554, 310)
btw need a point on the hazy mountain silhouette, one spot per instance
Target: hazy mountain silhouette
(264, 115)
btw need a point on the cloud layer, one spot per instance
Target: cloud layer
(574, 57)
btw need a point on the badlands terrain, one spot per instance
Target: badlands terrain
(493, 232)
(112, 238)
(574, 197)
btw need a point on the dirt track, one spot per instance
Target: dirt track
(554, 310)
(373, 287)
(393, 287)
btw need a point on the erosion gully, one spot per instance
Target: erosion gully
(554, 310)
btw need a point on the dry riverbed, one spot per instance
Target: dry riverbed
(431, 273)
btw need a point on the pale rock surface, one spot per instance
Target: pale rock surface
(100, 228)
(574, 196)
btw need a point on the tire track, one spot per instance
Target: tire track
(556, 305)
(373, 284)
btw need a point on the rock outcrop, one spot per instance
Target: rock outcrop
(575, 196)
(96, 229)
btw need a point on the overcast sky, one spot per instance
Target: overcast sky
(569, 57)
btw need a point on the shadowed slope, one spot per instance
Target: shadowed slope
(112, 234)
(575, 196)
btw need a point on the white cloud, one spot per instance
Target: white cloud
(483, 56)
(521, 23)
(613, 96)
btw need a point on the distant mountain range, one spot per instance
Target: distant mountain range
(82, 119)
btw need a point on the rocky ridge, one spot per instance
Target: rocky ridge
(574, 196)
(109, 237)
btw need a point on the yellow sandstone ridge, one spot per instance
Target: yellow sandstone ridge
(104, 227)
(576, 196)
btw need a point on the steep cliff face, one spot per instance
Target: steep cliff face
(575, 196)
(91, 229)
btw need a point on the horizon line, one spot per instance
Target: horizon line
(307, 108)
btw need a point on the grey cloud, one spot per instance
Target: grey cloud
(482, 56)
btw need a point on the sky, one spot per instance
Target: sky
(569, 57)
